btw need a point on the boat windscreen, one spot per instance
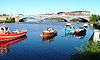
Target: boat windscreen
(6, 28)
(2, 28)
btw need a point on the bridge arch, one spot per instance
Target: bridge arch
(83, 20)
(59, 18)
(79, 19)
(23, 19)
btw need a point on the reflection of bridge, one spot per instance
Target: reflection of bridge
(63, 15)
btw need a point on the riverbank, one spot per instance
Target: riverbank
(7, 21)
(92, 52)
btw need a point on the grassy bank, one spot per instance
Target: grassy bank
(94, 19)
(93, 22)
(7, 21)
(91, 52)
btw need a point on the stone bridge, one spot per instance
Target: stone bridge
(68, 16)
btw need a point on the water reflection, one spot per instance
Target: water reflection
(5, 45)
(75, 36)
(49, 39)
(80, 36)
(78, 33)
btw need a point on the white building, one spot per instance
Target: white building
(96, 36)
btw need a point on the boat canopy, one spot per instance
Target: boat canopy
(4, 29)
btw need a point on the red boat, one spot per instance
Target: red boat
(4, 46)
(81, 31)
(5, 34)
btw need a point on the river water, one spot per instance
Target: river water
(32, 47)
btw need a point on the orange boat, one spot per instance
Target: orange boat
(50, 32)
(5, 34)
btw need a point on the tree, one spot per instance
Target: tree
(4, 15)
(93, 18)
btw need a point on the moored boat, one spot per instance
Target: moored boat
(80, 31)
(5, 34)
(96, 26)
(50, 32)
(86, 25)
(69, 30)
(68, 24)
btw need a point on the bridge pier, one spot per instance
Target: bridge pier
(17, 19)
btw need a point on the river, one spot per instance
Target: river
(32, 47)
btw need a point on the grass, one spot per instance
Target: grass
(91, 52)
(7, 21)
(93, 22)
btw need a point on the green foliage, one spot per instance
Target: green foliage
(8, 20)
(94, 47)
(91, 52)
(94, 18)
(4, 15)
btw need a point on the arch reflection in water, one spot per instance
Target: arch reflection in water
(5, 45)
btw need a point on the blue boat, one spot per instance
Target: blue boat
(67, 30)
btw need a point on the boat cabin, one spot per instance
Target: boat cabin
(4, 29)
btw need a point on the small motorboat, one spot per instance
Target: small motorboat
(70, 30)
(67, 30)
(80, 31)
(68, 24)
(86, 25)
(50, 32)
(6, 35)
(96, 26)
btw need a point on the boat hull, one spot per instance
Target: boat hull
(5, 37)
(80, 33)
(48, 34)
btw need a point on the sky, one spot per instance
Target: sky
(33, 7)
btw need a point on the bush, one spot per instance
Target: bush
(94, 18)
(91, 52)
